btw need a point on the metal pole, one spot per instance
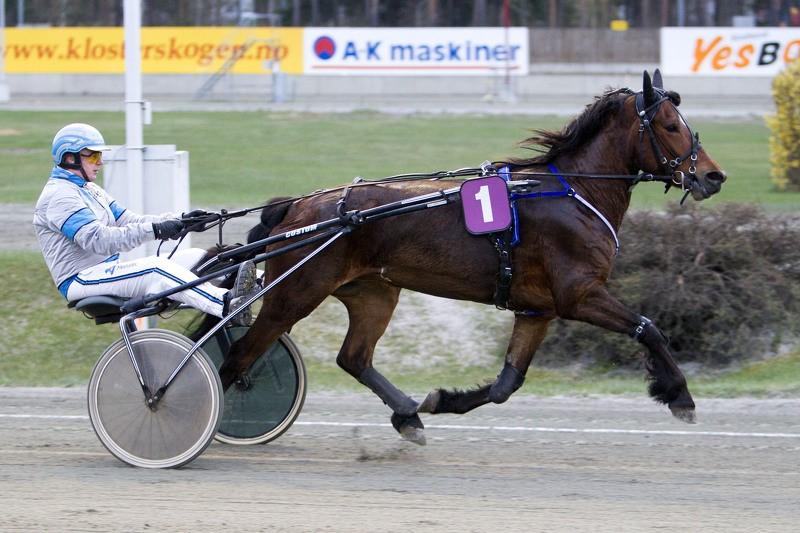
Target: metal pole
(4, 96)
(134, 116)
(20, 13)
(507, 93)
(133, 105)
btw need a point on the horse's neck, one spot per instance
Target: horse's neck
(611, 196)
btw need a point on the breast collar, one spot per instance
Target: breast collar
(567, 190)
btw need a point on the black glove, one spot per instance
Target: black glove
(194, 214)
(168, 229)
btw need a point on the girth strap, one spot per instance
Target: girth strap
(502, 290)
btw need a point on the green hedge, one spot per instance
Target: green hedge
(723, 284)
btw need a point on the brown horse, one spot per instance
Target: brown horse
(560, 268)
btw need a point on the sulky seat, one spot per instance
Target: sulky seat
(103, 309)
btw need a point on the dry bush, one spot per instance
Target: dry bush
(723, 284)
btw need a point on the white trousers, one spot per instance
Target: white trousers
(149, 275)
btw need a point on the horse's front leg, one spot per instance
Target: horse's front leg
(667, 382)
(525, 339)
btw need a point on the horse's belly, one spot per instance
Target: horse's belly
(446, 285)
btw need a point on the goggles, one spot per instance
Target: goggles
(94, 158)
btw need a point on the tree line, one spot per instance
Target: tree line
(414, 13)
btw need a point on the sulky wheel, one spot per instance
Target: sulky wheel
(183, 422)
(263, 403)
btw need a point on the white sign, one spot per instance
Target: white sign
(415, 51)
(728, 51)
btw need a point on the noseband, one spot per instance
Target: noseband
(646, 114)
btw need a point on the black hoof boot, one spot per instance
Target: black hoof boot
(410, 428)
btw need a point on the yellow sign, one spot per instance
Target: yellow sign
(619, 25)
(165, 50)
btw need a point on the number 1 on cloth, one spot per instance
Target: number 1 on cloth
(486, 205)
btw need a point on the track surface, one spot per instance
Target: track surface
(533, 464)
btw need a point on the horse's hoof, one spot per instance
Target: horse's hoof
(684, 414)
(430, 402)
(410, 428)
(412, 434)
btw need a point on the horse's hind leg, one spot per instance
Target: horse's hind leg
(284, 306)
(370, 304)
(525, 340)
(667, 382)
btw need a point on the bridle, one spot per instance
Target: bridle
(646, 113)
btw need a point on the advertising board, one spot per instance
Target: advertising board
(728, 51)
(415, 51)
(174, 50)
(253, 50)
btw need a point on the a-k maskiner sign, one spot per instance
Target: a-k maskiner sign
(416, 51)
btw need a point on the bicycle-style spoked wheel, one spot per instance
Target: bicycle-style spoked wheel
(185, 419)
(262, 404)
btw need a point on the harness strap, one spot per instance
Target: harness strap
(582, 200)
(569, 191)
(506, 241)
(502, 290)
(348, 218)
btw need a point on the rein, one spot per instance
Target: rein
(505, 242)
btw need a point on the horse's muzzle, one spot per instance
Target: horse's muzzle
(709, 184)
(713, 181)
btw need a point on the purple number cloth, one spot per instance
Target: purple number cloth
(486, 205)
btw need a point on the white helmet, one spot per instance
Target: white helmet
(73, 138)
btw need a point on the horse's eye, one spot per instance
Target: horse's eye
(672, 128)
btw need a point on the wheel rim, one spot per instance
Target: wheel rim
(186, 418)
(272, 398)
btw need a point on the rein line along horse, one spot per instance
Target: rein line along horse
(561, 264)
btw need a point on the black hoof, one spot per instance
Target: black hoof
(684, 414)
(410, 428)
(682, 407)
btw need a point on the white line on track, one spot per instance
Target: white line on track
(530, 429)
(53, 417)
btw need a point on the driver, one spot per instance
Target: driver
(82, 230)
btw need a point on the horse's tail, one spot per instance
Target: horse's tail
(271, 216)
(202, 323)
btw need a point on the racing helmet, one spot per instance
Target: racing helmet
(73, 138)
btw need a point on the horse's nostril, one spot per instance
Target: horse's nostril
(716, 175)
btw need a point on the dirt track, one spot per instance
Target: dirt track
(533, 464)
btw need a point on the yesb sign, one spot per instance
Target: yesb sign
(728, 51)
(415, 51)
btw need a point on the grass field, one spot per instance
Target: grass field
(241, 159)
(45, 344)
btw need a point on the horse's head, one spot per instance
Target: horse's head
(668, 145)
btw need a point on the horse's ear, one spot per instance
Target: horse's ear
(647, 89)
(658, 83)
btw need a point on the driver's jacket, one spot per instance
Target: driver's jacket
(79, 225)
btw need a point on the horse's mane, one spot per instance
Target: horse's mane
(551, 144)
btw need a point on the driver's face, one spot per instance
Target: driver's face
(91, 162)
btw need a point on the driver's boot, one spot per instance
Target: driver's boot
(244, 288)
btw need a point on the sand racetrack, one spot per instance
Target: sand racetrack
(532, 464)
